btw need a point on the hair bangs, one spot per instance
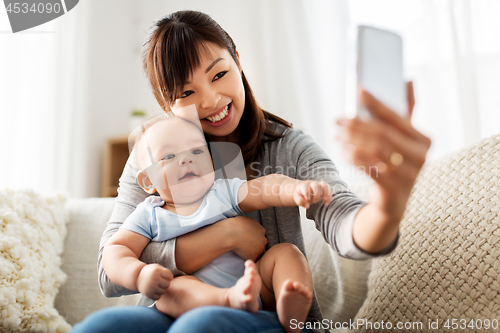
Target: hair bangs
(180, 58)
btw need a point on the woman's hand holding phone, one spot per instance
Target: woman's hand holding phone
(388, 149)
(381, 140)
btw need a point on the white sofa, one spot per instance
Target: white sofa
(446, 265)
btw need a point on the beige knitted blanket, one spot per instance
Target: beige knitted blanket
(445, 272)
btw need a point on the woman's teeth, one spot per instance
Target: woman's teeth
(220, 116)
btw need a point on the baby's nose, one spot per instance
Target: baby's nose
(186, 160)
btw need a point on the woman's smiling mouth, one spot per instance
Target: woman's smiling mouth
(221, 118)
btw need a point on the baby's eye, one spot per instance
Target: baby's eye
(219, 75)
(197, 151)
(186, 93)
(168, 157)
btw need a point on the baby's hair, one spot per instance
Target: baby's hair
(138, 134)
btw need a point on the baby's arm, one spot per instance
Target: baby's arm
(281, 191)
(120, 260)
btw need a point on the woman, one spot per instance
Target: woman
(189, 59)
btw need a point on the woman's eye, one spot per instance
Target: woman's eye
(219, 75)
(186, 93)
(169, 156)
(197, 151)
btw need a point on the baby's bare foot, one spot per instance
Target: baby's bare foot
(294, 302)
(245, 293)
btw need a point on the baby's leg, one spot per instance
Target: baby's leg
(188, 292)
(286, 273)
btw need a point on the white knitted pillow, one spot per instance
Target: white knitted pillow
(447, 263)
(32, 230)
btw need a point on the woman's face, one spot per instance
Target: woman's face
(216, 89)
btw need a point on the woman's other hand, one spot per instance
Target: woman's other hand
(389, 150)
(248, 236)
(242, 235)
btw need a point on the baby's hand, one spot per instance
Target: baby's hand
(154, 280)
(309, 192)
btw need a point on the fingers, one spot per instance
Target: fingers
(378, 170)
(154, 280)
(310, 192)
(167, 274)
(300, 200)
(301, 196)
(381, 111)
(371, 146)
(380, 140)
(326, 192)
(159, 286)
(410, 97)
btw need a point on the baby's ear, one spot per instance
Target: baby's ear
(145, 182)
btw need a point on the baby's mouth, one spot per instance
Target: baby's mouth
(188, 175)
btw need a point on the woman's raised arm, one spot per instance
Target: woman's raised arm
(397, 150)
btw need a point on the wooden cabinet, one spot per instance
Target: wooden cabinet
(115, 158)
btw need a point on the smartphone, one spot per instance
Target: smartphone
(379, 69)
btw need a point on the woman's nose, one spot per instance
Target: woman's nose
(210, 99)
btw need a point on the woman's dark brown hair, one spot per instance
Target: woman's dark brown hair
(171, 53)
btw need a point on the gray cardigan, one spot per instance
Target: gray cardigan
(295, 155)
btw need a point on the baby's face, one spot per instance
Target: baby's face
(182, 161)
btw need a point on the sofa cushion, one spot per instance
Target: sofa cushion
(447, 263)
(80, 295)
(32, 230)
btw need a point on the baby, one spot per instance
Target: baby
(175, 161)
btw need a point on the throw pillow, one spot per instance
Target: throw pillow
(447, 263)
(32, 231)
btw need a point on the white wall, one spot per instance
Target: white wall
(109, 70)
